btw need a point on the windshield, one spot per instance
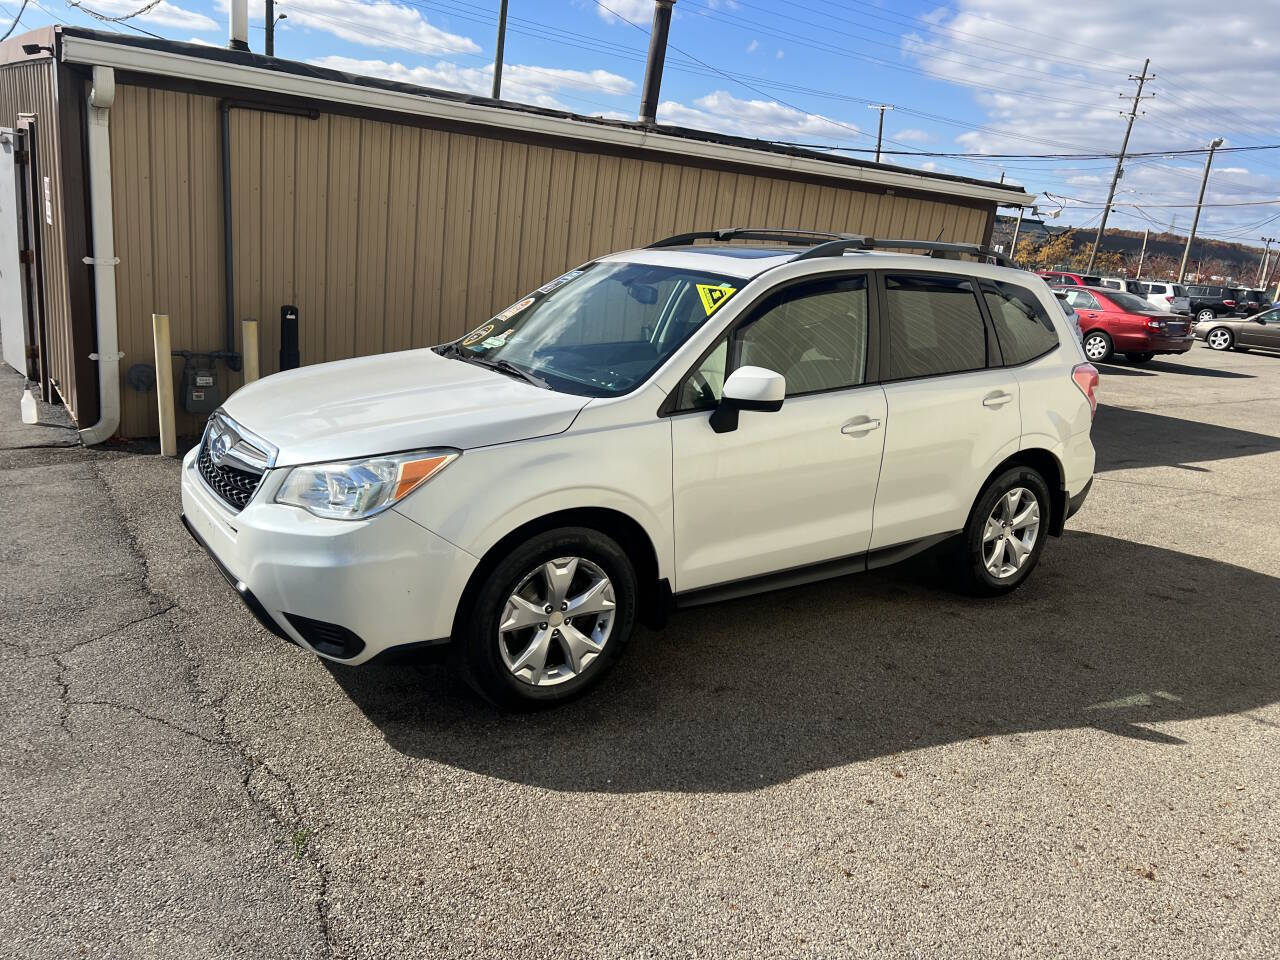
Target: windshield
(1127, 301)
(601, 330)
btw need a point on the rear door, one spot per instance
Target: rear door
(953, 409)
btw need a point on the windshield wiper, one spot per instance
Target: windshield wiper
(509, 368)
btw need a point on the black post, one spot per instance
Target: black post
(289, 357)
(657, 58)
(497, 56)
(271, 28)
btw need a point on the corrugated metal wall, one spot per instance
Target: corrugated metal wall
(391, 236)
(32, 88)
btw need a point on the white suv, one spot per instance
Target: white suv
(667, 426)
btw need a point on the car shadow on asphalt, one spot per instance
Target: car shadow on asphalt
(1154, 367)
(758, 691)
(1125, 439)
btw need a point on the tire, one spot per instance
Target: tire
(490, 659)
(1220, 338)
(1139, 357)
(1205, 315)
(973, 559)
(1101, 349)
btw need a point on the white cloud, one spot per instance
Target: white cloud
(165, 14)
(637, 11)
(753, 46)
(1029, 69)
(764, 119)
(779, 55)
(371, 24)
(912, 135)
(527, 84)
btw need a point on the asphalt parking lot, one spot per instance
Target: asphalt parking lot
(872, 766)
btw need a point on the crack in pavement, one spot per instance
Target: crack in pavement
(290, 817)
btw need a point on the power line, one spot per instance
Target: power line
(13, 26)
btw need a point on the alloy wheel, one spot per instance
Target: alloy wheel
(1204, 316)
(1011, 532)
(1219, 339)
(557, 621)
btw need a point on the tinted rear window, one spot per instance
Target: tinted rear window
(1022, 326)
(935, 326)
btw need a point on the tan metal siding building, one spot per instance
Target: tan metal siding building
(399, 218)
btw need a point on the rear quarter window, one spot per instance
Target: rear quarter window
(1023, 329)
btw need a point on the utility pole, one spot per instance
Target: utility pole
(497, 55)
(1141, 80)
(1013, 247)
(655, 61)
(1143, 255)
(270, 19)
(882, 107)
(1266, 259)
(1195, 219)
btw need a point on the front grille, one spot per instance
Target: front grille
(235, 487)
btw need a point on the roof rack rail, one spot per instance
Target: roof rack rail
(836, 248)
(802, 238)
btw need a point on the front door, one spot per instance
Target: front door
(1262, 334)
(788, 488)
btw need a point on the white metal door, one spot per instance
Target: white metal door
(784, 490)
(944, 435)
(13, 296)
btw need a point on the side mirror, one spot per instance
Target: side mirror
(748, 388)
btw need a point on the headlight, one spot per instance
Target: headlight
(355, 489)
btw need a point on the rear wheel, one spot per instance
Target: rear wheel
(1002, 541)
(1097, 346)
(1204, 316)
(1139, 357)
(549, 620)
(1220, 338)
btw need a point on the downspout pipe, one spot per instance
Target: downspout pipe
(102, 95)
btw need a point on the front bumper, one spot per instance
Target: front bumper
(385, 581)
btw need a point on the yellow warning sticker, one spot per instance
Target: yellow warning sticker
(714, 296)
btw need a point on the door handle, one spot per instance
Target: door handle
(998, 399)
(1091, 315)
(860, 426)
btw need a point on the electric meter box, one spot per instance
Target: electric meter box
(200, 392)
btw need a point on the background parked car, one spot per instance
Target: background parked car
(1250, 302)
(1078, 279)
(1168, 296)
(1123, 283)
(1118, 322)
(1261, 330)
(1208, 302)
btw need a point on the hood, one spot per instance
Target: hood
(392, 402)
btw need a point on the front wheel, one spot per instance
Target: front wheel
(549, 620)
(1097, 346)
(1219, 339)
(1005, 534)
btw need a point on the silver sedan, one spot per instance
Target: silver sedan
(1262, 331)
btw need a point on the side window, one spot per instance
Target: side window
(1113, 284)
(703, 387)
(1082, 300)
(1022, 326)
(814, 334)
(935, 326)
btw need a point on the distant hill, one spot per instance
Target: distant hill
(1230, 262)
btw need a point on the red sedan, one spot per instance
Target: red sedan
(1113, 322)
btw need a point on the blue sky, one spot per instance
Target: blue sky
(973, 76)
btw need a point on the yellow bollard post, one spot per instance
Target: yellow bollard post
(249, 349)
(164, 384)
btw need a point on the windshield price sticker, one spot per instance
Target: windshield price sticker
(559, 281)
(713, 297)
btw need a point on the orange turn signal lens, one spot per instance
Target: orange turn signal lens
(414, 472)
